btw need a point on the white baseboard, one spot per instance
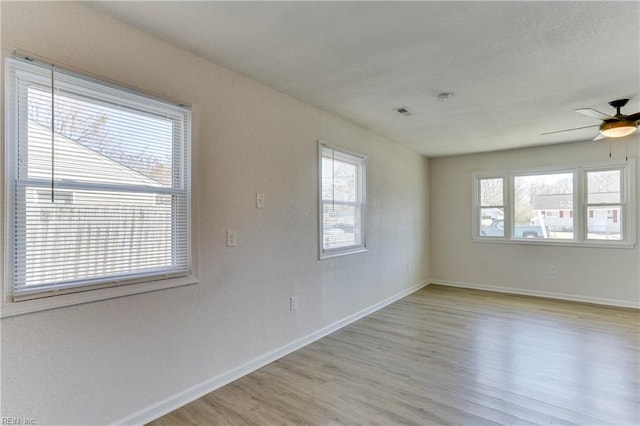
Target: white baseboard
(546, 294)
(186, 396)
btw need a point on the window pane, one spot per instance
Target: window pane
(113, 141)
(603, 187)
(491, 192)
(342, 188)
(341, 222)
(339, 180)
(604, 223)
(538, 201)
(492, 222)
(95, 235)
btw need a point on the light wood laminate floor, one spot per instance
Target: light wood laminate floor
(447, 356)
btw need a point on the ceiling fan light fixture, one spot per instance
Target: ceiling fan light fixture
(617, 129)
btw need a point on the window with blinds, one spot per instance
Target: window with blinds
(342, 202)
(98, 179)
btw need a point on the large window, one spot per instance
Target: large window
(342, 202)
(538, 202)
(588, 205)
(98, 183)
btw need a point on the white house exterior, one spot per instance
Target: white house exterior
(80, 219)
(557, 211)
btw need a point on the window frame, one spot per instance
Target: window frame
(478, 206)
(580, 205)
(361, 163)
(624, 198)
(86, 290)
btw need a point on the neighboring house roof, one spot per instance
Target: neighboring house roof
(565, 201)
(96, 167)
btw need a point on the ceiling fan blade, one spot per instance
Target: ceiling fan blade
(590, 112)
(633, 117)
(569, 130)
(600, 136)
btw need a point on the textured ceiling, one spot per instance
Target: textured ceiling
(517, 69)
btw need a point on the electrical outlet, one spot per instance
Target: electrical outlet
(552, 270)
(231, 238)
(293, 303)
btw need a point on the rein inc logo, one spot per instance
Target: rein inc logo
(16, 420)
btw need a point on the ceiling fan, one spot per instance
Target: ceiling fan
(612, 126)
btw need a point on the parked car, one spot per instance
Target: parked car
(496, 229)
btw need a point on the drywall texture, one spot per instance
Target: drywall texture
(612, 275)
(100, 362)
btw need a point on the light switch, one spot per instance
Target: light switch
(260, 201)
(231, 238)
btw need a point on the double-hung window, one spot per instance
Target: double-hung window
(98, 184)
(342, 202)
(490, 205)
(591, 205)
(606, 203)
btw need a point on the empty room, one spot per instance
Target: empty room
(314, 213)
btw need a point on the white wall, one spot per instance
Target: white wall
(101, 362)
(588, 274)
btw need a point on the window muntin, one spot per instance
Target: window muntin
(112, 155)
(342, 202)
(583, 205)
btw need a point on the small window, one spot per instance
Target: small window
(491, 207)
(605, 204)
(342, 202)
(98, 183)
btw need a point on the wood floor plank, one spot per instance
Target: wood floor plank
(448, 356)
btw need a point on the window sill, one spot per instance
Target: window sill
(557, 243)
(345, 252)
(10, 309)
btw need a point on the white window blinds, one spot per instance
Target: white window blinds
(99, 182)
(342, 202)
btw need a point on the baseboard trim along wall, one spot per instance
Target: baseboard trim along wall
(545, 294)
(166, 406)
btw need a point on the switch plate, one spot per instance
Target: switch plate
(231, 238)
(293, 303)
(260, 201)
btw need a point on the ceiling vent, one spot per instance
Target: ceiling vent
(403, 110)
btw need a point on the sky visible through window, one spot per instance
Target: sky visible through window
(139, 141)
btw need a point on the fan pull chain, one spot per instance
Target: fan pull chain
(609, 148)
(626, 150)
